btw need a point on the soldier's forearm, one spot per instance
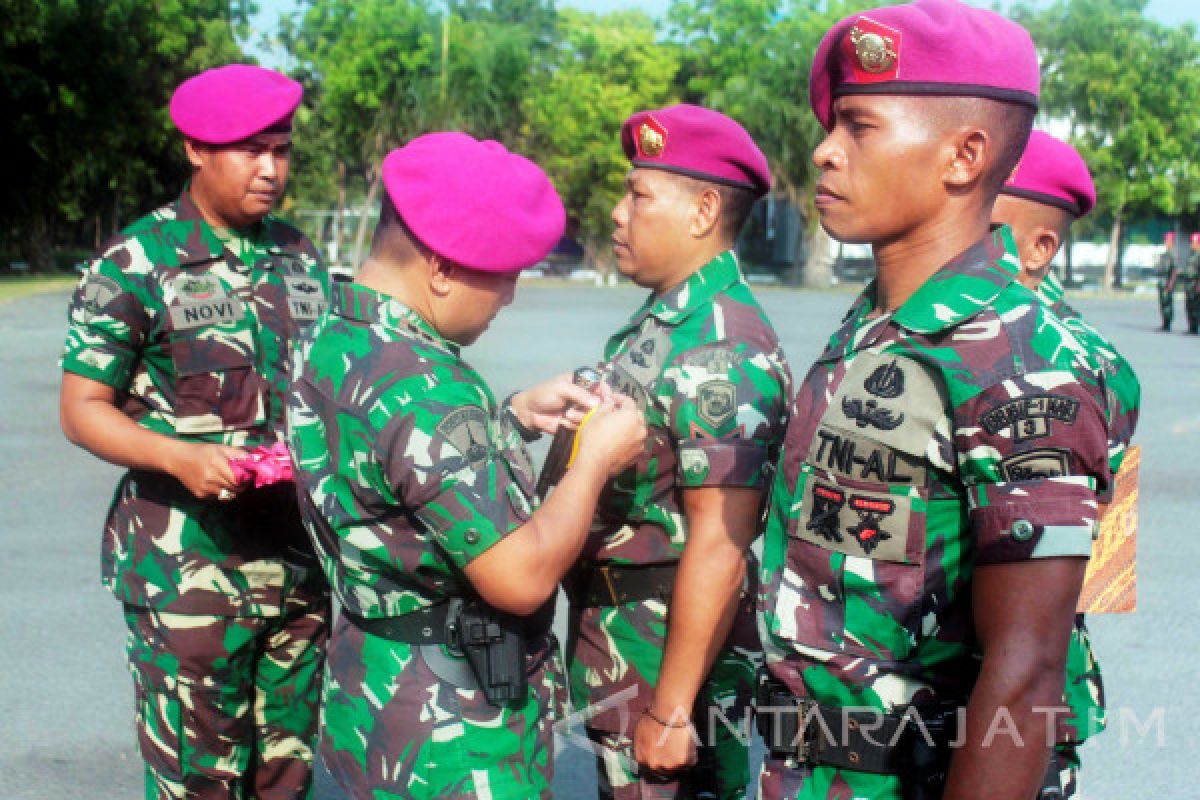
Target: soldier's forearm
(521, 572)
(703, 606)
(90, 420)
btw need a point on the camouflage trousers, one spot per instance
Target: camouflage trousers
(616, 655)
(392, 727)
(227, 706)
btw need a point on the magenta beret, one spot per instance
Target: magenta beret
(231, 103)
(1052, 172)
(474, 203)
(931, 47)
(697, 142)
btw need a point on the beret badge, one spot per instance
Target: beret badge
(652, 138)
(875, 52)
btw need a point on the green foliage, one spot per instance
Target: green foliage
(606, 68)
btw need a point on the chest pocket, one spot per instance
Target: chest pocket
(213, 351)
(857, 531)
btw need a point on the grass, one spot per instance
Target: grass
(14, 288)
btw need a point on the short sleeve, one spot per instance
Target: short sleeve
(107, 325)
(727, 408)
(1033, 453)
(442, 464)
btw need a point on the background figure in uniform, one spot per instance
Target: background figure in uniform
(417, 488)
(933, 512)
(673, 532)
(1190, 283)
(1048, 191)
(1168, 274)
(176, 362)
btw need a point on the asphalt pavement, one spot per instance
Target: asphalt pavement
(66, 700)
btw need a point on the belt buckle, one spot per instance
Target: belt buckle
(606, 573)
(807, 746)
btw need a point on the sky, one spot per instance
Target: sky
(1171, 12)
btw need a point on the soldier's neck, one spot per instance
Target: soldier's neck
(692, 262)
(905, 262)
(212, 214)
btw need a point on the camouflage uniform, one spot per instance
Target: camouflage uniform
(406, 476)
(226, 609)
(1085, 686)
(963, 429)
(705, 364)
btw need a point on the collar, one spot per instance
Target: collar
(677, 304)
(200, 243)
(1050, 291)
(967, 285)
(357, 302)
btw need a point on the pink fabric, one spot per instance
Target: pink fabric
(1052, 172)
(474, 203)
(930, 47)
(263, 466)
(231, 103)
(696, 141)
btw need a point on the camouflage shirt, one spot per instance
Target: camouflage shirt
(964, 429)
(1124, 392)
(191, 325)
(705, 364)
(406, 474)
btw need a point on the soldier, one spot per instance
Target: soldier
(1168, 274)
(673, 532)
(1048, 191)
(444, 679)
(934, 508)
(1190, 281)
(175, 362)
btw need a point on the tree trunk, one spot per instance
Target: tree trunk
(36, 245)
(1115, 241)
(339, 221)
(364, 218)
(818, 267)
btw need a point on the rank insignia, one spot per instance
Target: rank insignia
(874, 51)
(652, 138)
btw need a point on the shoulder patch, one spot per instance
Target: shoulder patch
(1030, 417)
(1049, 462)
(466, 430)
(98, 292)
(717, 360)
(716, 402)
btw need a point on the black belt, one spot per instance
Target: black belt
(424, 626)
(914, 743)
(601, 585)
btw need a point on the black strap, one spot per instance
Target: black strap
(424, 626)
(862, 740)
(602, 585)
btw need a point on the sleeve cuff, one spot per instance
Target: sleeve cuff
(106, 368)
(1020, 521)
(722, 462)
(466, 524)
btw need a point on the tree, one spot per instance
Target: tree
(605, 69)
(84, 86)
(385, 71)
(751, 59)
(1127, 87)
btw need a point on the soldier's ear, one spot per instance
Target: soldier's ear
(1042, 247)
(972, 151)
(196, 153)
(706, 212)
(441, 275)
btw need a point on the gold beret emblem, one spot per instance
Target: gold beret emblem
(875, 52)
(650, 141)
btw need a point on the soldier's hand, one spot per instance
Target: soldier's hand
(615, 435)
(204, 469)
(557, 401)
(663, 749)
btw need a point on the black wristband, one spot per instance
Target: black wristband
(526, 434)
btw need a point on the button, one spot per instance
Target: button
(1022, 530)
(472, 537)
